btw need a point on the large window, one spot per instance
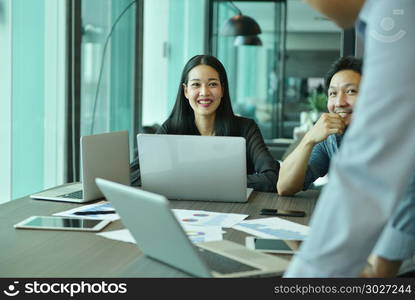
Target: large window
(40, 69)
(108, 82)
(271, 83)
(32, 121)
(61, 75)
(6, 101)
(313, 43)
(255, 72)
(174, 31)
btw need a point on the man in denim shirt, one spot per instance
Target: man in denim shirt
(311, 159)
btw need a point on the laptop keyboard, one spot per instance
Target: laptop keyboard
(73, 195)
(223, 264)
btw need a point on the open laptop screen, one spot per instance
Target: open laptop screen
(190, 167)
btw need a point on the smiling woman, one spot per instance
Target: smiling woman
(204, 92)
(203, 79)
(203, 107)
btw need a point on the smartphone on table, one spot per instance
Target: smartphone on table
(61, 223)
(282, 213)
(272, 245)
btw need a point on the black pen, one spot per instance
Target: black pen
(282, 213)
(96, 212)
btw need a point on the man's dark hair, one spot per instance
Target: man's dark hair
(343, 63)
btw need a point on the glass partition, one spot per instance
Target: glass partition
(174, 31)
(33, 94)
(255, 72)
(27, 94)
(313, 43)
(107, 82)
(271, 83)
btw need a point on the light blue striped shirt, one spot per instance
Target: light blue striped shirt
(371, 172)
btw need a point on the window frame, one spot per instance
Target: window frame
(74, 84)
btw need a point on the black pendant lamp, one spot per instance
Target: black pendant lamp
(247, 40)
(243, 27)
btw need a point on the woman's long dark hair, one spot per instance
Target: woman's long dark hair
(182, 119)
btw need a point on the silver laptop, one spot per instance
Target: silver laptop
(160, 236)
(102, 155)
(189, 167)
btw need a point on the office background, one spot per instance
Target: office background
(53, 90)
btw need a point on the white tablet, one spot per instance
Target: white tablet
(61, 223)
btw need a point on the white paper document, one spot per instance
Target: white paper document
(101, 206)
(196, 234)
(122, 235)
(207, 218)
(199, 234)
(274, 228)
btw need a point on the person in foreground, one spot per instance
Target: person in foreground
(311, 158)
(203, 107)
(372, 170)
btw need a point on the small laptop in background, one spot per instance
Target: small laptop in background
(189, 167)
(159, 235)
(103, 155)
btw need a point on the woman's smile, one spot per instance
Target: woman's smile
(205, 102)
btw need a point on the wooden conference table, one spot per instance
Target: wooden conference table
(47, 253)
